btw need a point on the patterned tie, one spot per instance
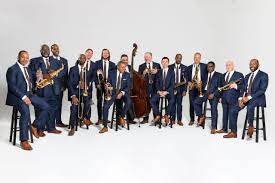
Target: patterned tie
(250, 84)
(28, 79)
(48, 63)
(196, 73)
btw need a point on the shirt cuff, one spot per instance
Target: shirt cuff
(123, 93)
(72, 96)
(249, 97)
(25, 96)
(240, 98)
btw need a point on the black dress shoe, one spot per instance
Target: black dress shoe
(61, 124)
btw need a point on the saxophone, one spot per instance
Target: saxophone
(108, 91)
(45, 82)
(194, 84)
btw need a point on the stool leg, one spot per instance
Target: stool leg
(113, 113)
(161, 114)
(263, 121)
(30, 131)
(244, 127)
(15, 127)
(12, 124)
(257, 125)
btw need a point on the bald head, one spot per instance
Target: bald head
(45, 50)
(229, 66)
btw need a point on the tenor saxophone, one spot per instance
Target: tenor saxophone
(45, 82)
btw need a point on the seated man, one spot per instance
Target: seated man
(165, 81)
(79, 94)
(119, 80)
(20, 86)
(253, 94)
(210, 93)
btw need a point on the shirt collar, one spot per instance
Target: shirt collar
(255, 72)
(22, 66)
(57, 58)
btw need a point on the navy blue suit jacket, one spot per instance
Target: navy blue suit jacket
(73, 82)
(183, 76)
(203, 73)
(232, 95)
(215, 82)
(64, 80)
(17, 86)
(125, 81)
(169, 81)
(259, 86)
(38, 62)
(99, 66)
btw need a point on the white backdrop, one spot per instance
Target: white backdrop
(219, 29)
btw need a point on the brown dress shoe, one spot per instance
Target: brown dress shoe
(191, 123)
(87, 122)
(34, 131)
(250, 131)
(25, 145)
(55, 131)
(180, 123)
(201, 121)
(122, 121)
(166, 119)
(71, 132)
(100, 121)
(144, 121)
(213, 131)
(103, 130)
(230, 135)
(221, 131)
(61, 125)
(41, 134)
(157, 118)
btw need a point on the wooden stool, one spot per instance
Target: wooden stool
(114, 116)
(14, 128)
(257, 118)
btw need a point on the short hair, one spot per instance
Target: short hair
(254, 59)
(124, 55)
(53, 45)
(89, 49)
(21, 52)
(211, 62)
(197, 53)
(121, 62)
(165, 58)
(148, 53)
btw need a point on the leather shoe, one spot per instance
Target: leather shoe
(87, 122)
(180, 123)
(61, 124)
(103, 130)
(250, 131)
(25, 145)
(166, 119)
(71, 132)
(34, 131)
(157, 118)
(100, 121)
(144, 121)
(41, 134)
(221, 131)
(230, 135)
(122, 121)
(191, 123)
(213, 131)
(55, 131)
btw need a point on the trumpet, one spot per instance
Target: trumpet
(227, 86)
(107, 91)
(45, 82)
(149, 72)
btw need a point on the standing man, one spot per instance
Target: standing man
(42, 67)
(230, 99)
(180, 91)
(120, 81)
(103, 68)
(62, 83)
(20, 95)
(165, 81)
(196, 72)
(214, 81)
(149, 69)
(253, 95)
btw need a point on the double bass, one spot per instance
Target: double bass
(140, 99)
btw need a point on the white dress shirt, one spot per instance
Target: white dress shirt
(151, 65)
(175, 69)
(22, 69)
(45, 62)
(255, 73)
(88, 64)
(57, 58)
(194, 70)
(117, 75)
(107, 67)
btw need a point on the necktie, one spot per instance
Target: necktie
(227, 78)
(250, 84)
(81, 75)
(118, 82)
(104, 71)
(164, 78)
(177, 75)
(209, 81)
(47, 63)
(28, 78)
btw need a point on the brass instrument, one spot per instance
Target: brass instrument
(178, 85)
(195, 83)
(45, 82)
(149, 72)
(107, 91)
(85, 89)
(227, 86)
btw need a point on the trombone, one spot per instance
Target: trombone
(83, 94)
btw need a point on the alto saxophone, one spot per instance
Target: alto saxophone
(45, 82)
(195, 84)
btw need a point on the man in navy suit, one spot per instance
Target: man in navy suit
(210, 93)
(253, 94)
(91, 70)
(180, 91)
(196, 69)
(78, 83)
(102, 67)
(20, 86)
(120, 81)
(229, 99)
(149, 77)
(165, 81)
(63, 83)
(41, 67)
